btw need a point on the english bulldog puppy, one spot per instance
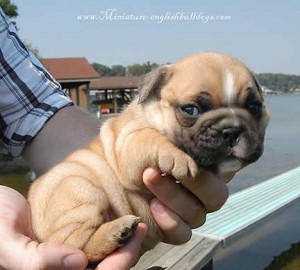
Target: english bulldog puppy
(205, 112)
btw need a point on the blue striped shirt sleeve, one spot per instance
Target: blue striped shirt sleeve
(29, 95)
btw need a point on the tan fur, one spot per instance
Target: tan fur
(90, 198)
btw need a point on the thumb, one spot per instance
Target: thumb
(46, 256)
(50, 256)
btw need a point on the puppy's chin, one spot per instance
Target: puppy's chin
(228, 166)
(242, 154)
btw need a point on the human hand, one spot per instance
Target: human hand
(179, 207)
(18, 250)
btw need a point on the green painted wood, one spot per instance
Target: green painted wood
(253, 204)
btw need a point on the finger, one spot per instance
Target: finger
(14, 231)
(31, 255)
(175, 197)
(227, 177)
(62, 257)
(15, 211)
(177, 232)
(210, 189)
(125, 257)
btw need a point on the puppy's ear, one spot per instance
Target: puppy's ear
(257, 85)
(151, 84)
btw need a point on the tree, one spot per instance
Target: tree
(102, 69)
(118, 70)
(279, 82)
(10, 9)
(141, 69)
(135, 69)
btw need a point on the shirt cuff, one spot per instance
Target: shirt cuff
(23, 130)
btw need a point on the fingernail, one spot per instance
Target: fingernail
(74, 262)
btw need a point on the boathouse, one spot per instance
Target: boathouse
(75, 76)
(112, 93)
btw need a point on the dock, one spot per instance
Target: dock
(239, 214)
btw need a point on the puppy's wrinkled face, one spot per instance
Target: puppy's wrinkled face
(211, 107)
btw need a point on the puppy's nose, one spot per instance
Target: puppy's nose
(231, 135)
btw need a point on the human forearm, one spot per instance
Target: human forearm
(70, 128)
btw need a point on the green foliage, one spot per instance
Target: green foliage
(279, 82)
(105, 71)
(141, 69)
(10, 9)
(119, 70)
(102, 69)
(275, 81)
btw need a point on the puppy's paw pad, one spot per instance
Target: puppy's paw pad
(126, 229)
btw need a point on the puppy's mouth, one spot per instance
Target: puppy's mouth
(225, 151)
(237, 157)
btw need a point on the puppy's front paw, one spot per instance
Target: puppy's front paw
(179, 164)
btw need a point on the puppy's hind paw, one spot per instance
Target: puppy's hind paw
(126, 229)
(109, 236)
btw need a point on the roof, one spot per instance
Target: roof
(116, 82)
(70, 69)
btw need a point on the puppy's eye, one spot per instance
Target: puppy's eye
(254, 107)
(190, 110)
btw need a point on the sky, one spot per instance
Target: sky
(263, 34)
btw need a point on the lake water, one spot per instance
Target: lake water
(282, 144)
(275, 244)
(277, 241)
